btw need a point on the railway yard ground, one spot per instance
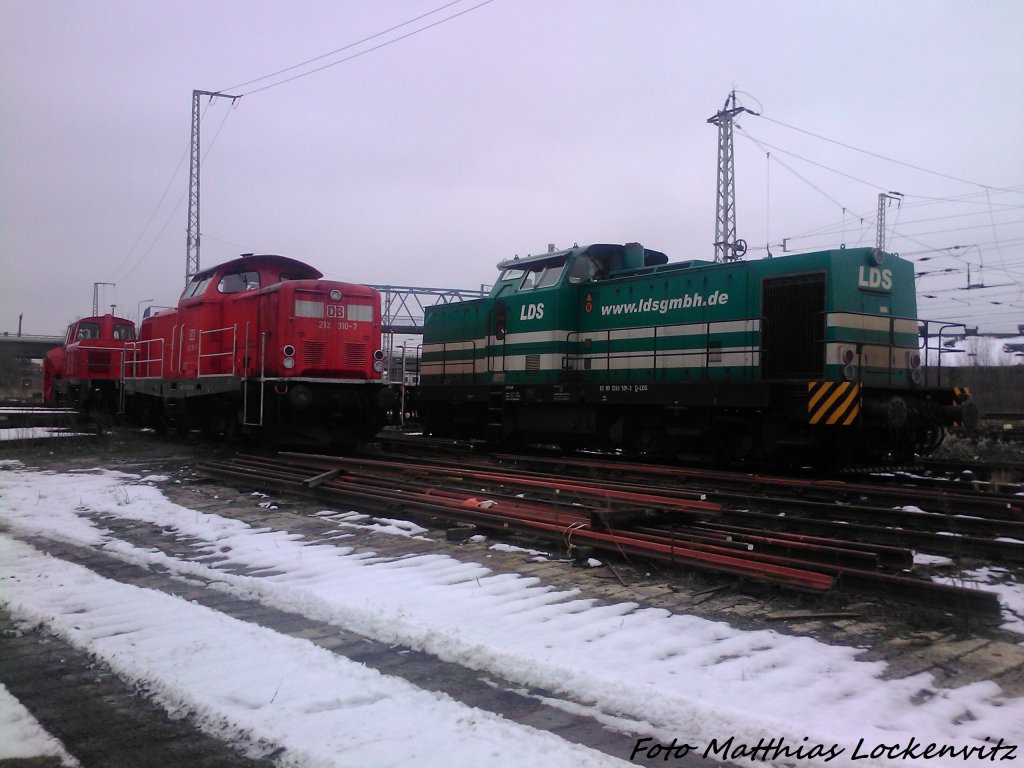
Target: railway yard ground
(176, 603)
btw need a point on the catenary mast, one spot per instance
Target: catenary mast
(727, 247)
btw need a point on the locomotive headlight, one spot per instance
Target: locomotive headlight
(378, 365)
(288, 363)
(847, 357)
(378, 354)
(335, 294)
(877, 257)
(914, 363)
(288, 350)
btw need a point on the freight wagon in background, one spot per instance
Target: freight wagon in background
(810, 357)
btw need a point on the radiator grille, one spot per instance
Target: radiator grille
(794, 327)
(313, 353)
(355, 355)
(532, 364)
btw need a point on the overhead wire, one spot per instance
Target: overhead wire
(880, 157)
(343, 48)
(368, 50)
(156, 209)
(274, 85)
(177, 205)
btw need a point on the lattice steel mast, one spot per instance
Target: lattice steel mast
(727, 247)
(192, 240)
(884, 199)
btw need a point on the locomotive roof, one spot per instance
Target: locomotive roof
(298, 270)
(651, 257)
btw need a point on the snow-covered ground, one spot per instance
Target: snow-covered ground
(21, 735)
(37, 433)
(657, 674)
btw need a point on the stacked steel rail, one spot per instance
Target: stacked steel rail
(616, 517)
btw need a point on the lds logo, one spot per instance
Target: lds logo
(875, 278)
(531, 311)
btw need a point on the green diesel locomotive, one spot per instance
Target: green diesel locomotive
(811, 357)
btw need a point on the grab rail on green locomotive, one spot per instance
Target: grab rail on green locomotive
(262, 344)
(811, 357)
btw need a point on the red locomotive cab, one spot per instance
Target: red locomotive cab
(271, 316)
(263, 343)
(88, 369)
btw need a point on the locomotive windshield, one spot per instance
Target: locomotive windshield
(541, 275)
(195, 287)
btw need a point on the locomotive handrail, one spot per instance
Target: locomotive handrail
(945, 333)
(200, 356)
(181, 344)
(137, 363)
(473, 347)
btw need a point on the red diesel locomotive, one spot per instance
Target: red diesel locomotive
(86, 371)
(260, 344)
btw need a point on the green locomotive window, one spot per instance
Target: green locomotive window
(515, 273)
(543, 275)
(584, 268)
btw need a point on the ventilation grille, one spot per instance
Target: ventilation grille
(532, 364)
(794, 324)
(313, 353)
(355, 355)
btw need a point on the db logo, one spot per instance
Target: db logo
(588, 303)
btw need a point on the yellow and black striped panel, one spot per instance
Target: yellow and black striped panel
(836, 403)
(961, 395)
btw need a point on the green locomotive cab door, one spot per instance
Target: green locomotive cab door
(497, 332)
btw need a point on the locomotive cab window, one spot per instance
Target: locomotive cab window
(124, 331)
(543, 275)
(195, 287)
(587, 267)
(237, 282)
(88, 331)
(514, 273)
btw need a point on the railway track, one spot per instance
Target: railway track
(655, 513)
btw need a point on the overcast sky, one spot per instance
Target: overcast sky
(514, 125)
